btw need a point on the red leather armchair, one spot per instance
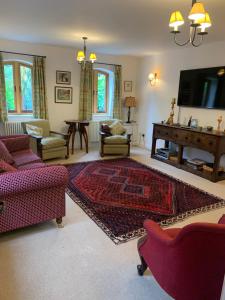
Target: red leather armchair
(188, 263)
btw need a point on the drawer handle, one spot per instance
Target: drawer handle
(2, 207)
(210, 143)
(167, 133)
(198, 140)
(176, 135)
(186, 138)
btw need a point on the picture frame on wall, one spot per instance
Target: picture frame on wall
(128, 86)
(63, 77)
(63, 94)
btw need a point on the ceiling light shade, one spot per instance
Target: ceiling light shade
(176, 19)
(205, 22)
(80, 56)
(197, 11)
(92, 57)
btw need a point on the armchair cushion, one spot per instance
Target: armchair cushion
(116, 139)
(52, 142)
(106, 129)
(116, 128)
(34, 130)
(4, 154)
(4, 167)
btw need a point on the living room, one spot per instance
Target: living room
(93, 254)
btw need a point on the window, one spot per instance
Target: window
(19, 89)
(101, 80)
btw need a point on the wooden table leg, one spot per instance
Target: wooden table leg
(153, 146)
(73, 137)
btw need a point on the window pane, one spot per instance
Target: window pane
(9, 86)
(101, 101)
(26, 88)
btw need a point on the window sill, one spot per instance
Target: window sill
(100, 117)
(20, 117)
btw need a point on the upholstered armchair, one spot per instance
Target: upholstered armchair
(113, 138)
(49, 144)
(188, 263)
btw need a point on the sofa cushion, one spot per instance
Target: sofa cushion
(52, 142)
(117, 128)
(25, 157)
(4, 154)
(116, 139)
(5, 167)
(34, 130)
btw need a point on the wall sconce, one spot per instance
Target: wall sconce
(153, 78)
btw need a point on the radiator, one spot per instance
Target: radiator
(11, 128)
(93, 131)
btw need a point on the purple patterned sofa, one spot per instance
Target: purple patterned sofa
(30, 191)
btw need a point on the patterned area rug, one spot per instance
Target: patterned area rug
(119, 194)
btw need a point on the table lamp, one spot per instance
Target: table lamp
(129, 102)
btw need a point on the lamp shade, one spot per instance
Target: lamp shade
(205, 22)
(92, 57)
(176, 19)
(80, 56)
(197, 11)
(130, 102)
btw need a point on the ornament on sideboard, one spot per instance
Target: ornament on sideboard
(170, 119)
(189, 121)
(219, 120)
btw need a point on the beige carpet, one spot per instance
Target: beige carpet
(79, 262)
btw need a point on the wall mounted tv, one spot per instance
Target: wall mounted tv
(203, 88)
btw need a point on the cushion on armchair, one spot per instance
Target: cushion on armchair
(34, 130)
(116, 139)
(52, 142)
(106, 129)
(116, 128)
(4, 154)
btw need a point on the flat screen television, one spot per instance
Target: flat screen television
(203, 88)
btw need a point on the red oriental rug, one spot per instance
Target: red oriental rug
(119, 194)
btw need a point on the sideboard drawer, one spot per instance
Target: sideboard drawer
(205, 142)
(163, 132)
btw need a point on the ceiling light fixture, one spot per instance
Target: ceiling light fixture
(200, 20)
(82, 54)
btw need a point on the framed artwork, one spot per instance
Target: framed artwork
(127, 86)
(63, 94)
(63, 77)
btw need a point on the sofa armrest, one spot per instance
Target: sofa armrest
(64, 135)
(24, 181)
(17, 143)
(156, 232)
(222, 220)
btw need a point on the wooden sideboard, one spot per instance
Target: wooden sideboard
(212, 142)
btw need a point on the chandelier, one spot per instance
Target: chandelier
(199, 22)
(82, 54)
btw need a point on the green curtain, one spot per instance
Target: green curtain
(40, 110)
(3, 104)
(117, 103)
(86, 92)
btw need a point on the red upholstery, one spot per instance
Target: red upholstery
(188, 263)
(34, 192)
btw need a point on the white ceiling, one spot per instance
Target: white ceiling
(135, 27)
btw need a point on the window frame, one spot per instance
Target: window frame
(18, 101)
(95, 92)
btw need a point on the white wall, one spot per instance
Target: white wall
(61, 58)
(155, 101)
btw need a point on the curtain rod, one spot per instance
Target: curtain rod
(10, 52)
(102, 63)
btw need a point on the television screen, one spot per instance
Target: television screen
(203, 88)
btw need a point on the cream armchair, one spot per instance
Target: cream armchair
(111, 142)
(50, 144)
